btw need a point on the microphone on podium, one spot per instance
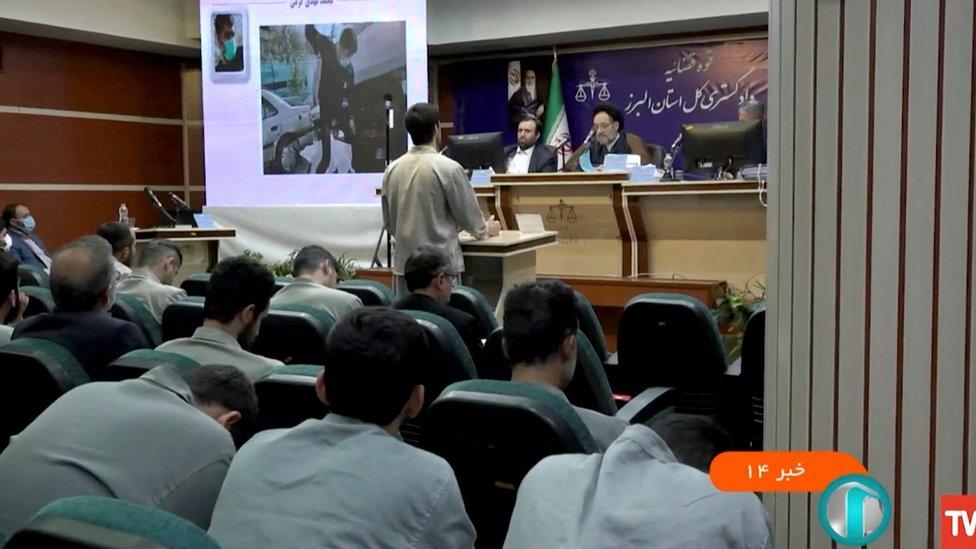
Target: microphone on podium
(589, 139)
(388, 103)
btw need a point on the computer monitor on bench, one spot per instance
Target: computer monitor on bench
(722, 145)
(476, 151)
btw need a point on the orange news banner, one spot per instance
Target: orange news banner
(781, 471)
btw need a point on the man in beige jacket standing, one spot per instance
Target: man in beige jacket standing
(428, 199)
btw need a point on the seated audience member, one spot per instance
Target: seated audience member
(161, 440)
(316, 277)
(637, 494)
(540, 341)
(528, 155)
(13, 302)
(82, 282)
(430, 277)
(24, 242)
(122, 238)
(5, 240)
(237, 299)
(152, 279)
(348, 480)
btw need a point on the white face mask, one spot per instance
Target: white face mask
(7, 242)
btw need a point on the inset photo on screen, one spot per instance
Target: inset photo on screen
(229, 52)
(325, 91)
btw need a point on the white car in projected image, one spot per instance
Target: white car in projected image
(285, 131)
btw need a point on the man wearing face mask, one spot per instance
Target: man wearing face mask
(24, 242)
(83, 285)
(5, 240)
(237, 299)
(13, 302)
(228, 56)
(336, 79)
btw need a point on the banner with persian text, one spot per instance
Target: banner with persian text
(657, 88)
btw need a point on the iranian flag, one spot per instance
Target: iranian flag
(556, 125)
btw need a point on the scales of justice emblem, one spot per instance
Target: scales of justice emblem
(593, 85)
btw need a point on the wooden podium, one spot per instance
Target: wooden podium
(199, 246)
(495, 264)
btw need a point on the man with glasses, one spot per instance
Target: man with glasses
(431, 278)
(609, 137)
(83, 282)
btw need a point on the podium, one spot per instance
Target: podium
(199, 246)
(496, 264)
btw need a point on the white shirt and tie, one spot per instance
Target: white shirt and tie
(519, 163)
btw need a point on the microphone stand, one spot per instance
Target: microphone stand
(388, 100)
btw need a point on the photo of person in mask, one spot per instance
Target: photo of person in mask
(228, 50)
(336, 79)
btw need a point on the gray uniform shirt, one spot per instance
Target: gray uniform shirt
(427, 200)
(214, 347)
(155, 295)
(634, 495)
(304, 291)
(339, 482)
(140, 440)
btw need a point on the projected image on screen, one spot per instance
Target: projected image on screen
(322, 96)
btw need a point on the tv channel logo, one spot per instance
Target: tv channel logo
(958, 522)
(855, 510)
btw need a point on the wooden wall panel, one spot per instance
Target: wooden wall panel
(63, 216)
(47, 149)
(871, 262)
(53, 74)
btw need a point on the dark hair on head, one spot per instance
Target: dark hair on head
(310, 259)
(9, 277)
(423, 266)
(694, 440)
(229, 387)
(223, 20)
(234, 284)
(10, 212)
(118, 235)
(77, 290)
(373, 361)
(538, 317)
(157, 251)
(348, 40)
(421, 121)
(534, 120)
(611, 111)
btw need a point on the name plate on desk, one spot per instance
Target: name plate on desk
(643, 174)
(620, 162)
(530, 223)
(481, 178)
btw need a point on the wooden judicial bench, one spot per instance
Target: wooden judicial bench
(618, 239)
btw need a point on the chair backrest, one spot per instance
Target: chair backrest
(35, 373)
(370, 292)
(128, 307)
(589, 387)
(753, 370)
(41, 300)
(449, 362)
(294, 334)
(135, 363)
(474, 303)
(589, 324)
(196, 284)
(492, 433)
(32, 275)
(286, 397)
(671, 340)
(657, 154)
(87, 521)
(182, 318)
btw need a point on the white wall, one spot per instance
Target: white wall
(456, 25)
(162, 26)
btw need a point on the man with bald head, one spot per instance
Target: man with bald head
(83, 283)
